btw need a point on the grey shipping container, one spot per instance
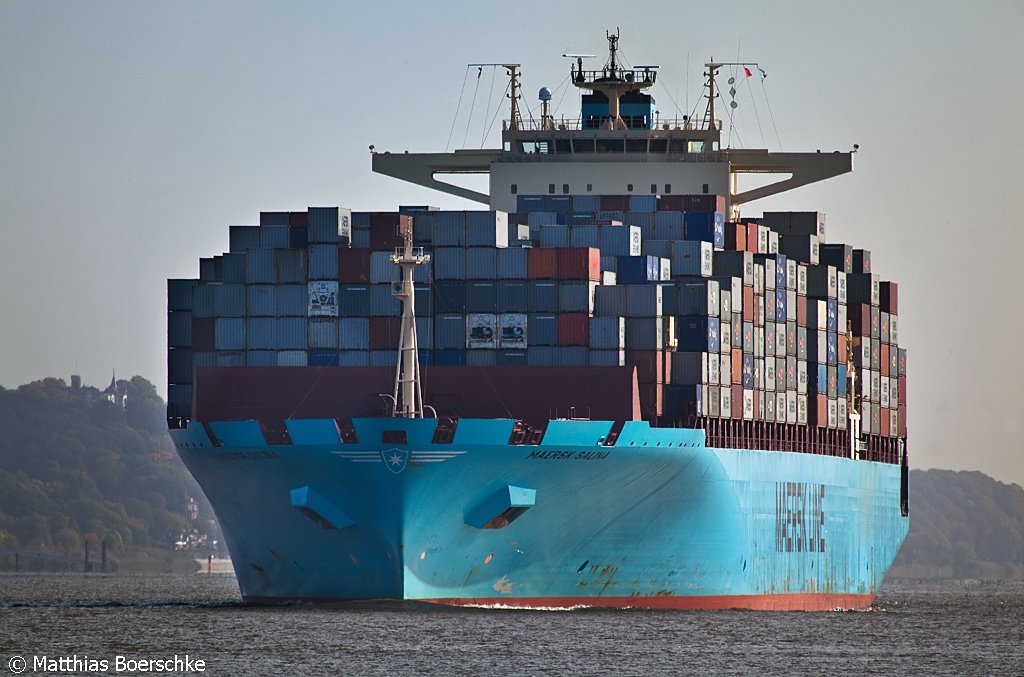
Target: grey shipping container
(382, 302)
(354, 300)
(543, 296)
(575, 296)
(229, 300)
(511, 263)
(179, 329)
(261, 358)
(512, 295)
(481, 263)
(354, 333)
(229, 333)
(259, 266)
(608, 333)
(449, 331)
(274, 237)
(643, 300)
(291, 358)
(322, 332)
(541, 356)
(292, 300)
(290, 266)
(261, 333)
(322, 261)
(179, 294)
(291, 333)
(354, 358)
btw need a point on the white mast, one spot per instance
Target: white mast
(408, 393)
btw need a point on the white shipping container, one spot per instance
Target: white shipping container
(884, 391)
(801, 279)
(481, 331)
(780, 407)
(791, 407)
(748, 404)
(512, 331)
(291, 358)
(323, 299)
(725, 402)
(833, 414)
(725, 370)
(842, 414)
(801, 409)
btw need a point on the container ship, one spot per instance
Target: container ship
(606, 387)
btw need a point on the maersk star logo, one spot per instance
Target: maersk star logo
(395, 459)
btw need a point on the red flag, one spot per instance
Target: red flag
(747, 71)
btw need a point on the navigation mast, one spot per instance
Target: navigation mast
(408, 393)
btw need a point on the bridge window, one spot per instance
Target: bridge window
(393, 437)
(668, 188)
(695, 147)
(565, 188)
(636, 145)
(563, 146)
(515, 188)
(610, 145)
(629, 187)
(680, 146)
(551, 188)
(654, 188)
(583, 145)
(590, 188)
(659, 145)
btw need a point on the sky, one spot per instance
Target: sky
(133, 134)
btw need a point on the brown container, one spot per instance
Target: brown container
(818, 406)
(388, 229)
(578, 263)
(888, 297)
(902, 391)
(901, 421)
(670, 203)
(573, 329)
(703, 203)
(749, 310)
(614, 203)
(841, 348)
(354, 266)
(650, 365)
(542, 263)
(736, 365)
(884, 360)
(885, 423)
(384, 332)
(736, 400)
(298, 219)
(801, 311)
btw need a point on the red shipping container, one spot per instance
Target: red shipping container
(901, 420)
(884, 415)
(542, 263)
(801, 311)
(736, 364)
(888, 297)
(752, 237)
(884, 360)
(736, 400)
(748, 304)
(614, 203)
(573, 329)
(578, 263)
(384, 332)
(841, 348)
(650, 365)
(902, 386)
(354, 266)
(298, 219)
(670, 203)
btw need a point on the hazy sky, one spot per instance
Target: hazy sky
(133, 133)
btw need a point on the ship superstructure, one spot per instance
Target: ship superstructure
(607, 389)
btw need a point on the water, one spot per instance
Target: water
(955, 628)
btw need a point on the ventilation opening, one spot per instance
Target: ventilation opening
(394, 437)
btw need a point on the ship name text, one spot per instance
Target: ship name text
(556, 455)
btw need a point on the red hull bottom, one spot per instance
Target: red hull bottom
(778, 602)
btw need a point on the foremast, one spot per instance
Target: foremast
(408, 392)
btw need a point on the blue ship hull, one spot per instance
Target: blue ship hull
(657, 519)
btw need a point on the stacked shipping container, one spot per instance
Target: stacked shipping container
(757, 321)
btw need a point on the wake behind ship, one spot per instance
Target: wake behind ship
(609, 388)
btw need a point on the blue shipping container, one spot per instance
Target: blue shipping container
(697, 333)
(543, 329)
(543, 296)
(354, 333)
(511, 263)
(261, 333)
(353, 300)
